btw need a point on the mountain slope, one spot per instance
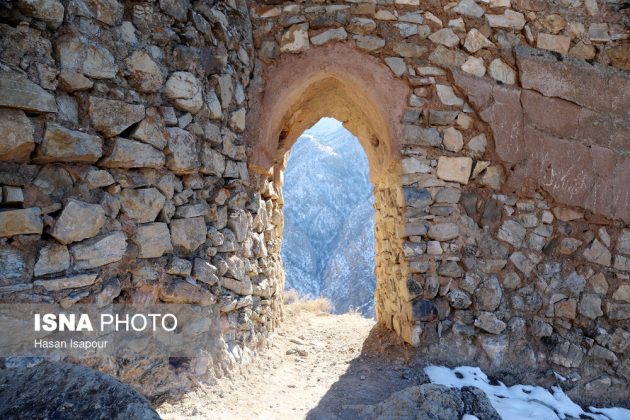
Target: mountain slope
(328, 244)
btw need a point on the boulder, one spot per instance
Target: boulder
(53, 390)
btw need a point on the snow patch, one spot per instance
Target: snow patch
(521, 402)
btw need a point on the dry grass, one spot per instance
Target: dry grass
(296, 303)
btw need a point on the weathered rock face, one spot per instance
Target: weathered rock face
(189, 109)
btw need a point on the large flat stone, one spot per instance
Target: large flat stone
(102, 250)
(71, 282)
(16, 132)
(21, 222)
(16, 91)
(63, 145)
(133, 154)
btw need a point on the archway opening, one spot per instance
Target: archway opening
(328, 238)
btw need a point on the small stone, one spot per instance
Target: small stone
(459, 299)
(567, 354)
(524, 264)
(476, 146)
(421, 136)
(295, 39)
(488, 322)
(598, 253)
(99, 251)
(553, 23)
(623, 243)
(63, 145)
(153, 240)
(443, 231)
(493, 177)
(336, 34)
(511, 280)
(361, 26)
(144, 74)
(237, 120)
(453, 139)
(469, 8)
(78, 54)
(508, 20)
(133, 154)
(49, 11)
(409, 50)
(454, 169)
(512, 232)
(619, 56)
(181, 291)
(21, 222)
(109, 12)
(540, 329)
(502, 72)
(205, 272)
(407, 29)
(384, 14)
(179, 267)
(13, 195)
(557, 43)
(397, 65)
(569, 245)
(185, 91)
(622, 293)
(565, 214)
(52, 259)
(488, 294)
(71, 282)
(143, 204)
(188, 234)
(474, 66)
(17, 91)
(99, 179)
(447, 96)
(598, 32)
(445, 57)
(16, 132)
(182, 154)
(445, 37)
(151, 130)
(78, 221)
(566, 308)
(618, 311)
(590, 306)
(450, 269)
(73, 81)
(113, 117)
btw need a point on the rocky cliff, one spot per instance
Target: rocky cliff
(328, 246)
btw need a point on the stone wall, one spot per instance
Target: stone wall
(123, 170)
(502, 230)
(142, 148)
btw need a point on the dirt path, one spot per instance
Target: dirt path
(319, 366)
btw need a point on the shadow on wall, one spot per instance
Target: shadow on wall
(328, 239)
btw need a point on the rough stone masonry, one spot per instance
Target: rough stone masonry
(142, 146)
